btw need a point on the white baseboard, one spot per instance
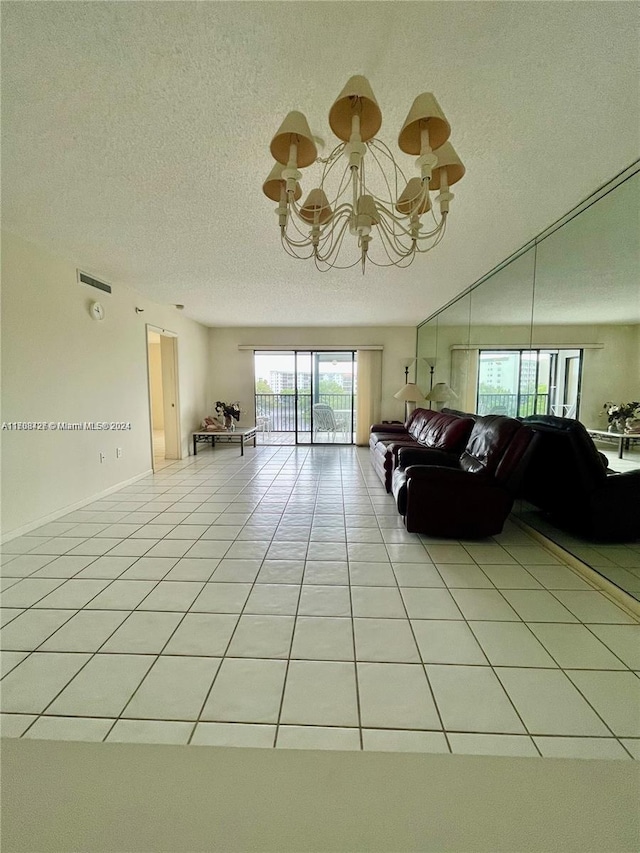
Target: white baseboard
(27, 528)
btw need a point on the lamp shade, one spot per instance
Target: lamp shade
(447, 158)
(274, 183)
(367, 207)
(425, 109)
(316, 201)
(294, 128)
(441, 392)
(356, 98)
(410, 393)
(413, 199)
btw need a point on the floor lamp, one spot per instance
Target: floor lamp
(432, 366)
(408, 363)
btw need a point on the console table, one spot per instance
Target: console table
(241, 434)
(624, 440)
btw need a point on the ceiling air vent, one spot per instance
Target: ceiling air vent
(83, 278)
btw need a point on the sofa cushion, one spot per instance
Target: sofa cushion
(445, 432)
(375, 437)
(428, 429)
(488, 442)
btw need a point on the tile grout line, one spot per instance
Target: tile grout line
(419, 653)
(224, 656)
(353, 625)
(293, 633)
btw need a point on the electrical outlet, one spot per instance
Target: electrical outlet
(102, 457)
(118, 453)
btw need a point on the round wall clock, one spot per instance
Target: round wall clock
(97, 311)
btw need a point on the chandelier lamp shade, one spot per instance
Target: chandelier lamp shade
(361, 190)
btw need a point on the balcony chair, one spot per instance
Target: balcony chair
(263, 422)
(325, 420)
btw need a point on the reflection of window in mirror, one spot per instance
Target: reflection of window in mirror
(518, 382)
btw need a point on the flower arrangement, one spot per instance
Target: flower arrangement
(621, 411)
(229, 410)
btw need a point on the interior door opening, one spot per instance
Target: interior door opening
(162, 365)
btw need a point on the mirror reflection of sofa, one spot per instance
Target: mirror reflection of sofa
(569, 480)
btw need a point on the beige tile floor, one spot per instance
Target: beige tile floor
(276, 600)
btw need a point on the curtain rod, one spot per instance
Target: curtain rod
(527, 346)
(309, 347)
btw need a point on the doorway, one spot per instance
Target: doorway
(162, 365)
(305, 396)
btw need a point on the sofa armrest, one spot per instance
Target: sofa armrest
(452, 502)
(625, 476)
(613, 508)
(426, 456)
(390, 427)
(626, 484)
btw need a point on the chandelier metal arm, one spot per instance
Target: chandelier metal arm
(335, 242)
(406, 232)
(438, 239)
(381, 147)
(390, 240)
(287, 247)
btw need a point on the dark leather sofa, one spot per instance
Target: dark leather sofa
(569, 480)
(468, 495)
(423, 429)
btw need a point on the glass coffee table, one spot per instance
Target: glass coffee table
(241, 433)
(625, 440)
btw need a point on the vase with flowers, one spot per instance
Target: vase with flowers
(620, 414)
(230, 412)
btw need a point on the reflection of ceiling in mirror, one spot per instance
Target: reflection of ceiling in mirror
(587, 272)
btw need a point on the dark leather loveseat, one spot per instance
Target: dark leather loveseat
(469, 495)
(424, 428)
(568, 479)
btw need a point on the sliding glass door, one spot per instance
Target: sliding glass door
(305, 396)
(527, 382)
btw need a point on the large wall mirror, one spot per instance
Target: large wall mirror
(555, 330)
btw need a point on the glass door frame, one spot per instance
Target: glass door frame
(553, 390)
(314, 394)
(309, 390)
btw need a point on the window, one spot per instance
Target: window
(523, 382)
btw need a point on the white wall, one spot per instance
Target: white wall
(58, 364)
(100, 797)
(232, 370)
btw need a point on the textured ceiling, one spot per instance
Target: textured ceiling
(136, 137)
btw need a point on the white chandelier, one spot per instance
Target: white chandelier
(316, 229)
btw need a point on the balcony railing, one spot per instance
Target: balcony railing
(281, 409)
(513, 405)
